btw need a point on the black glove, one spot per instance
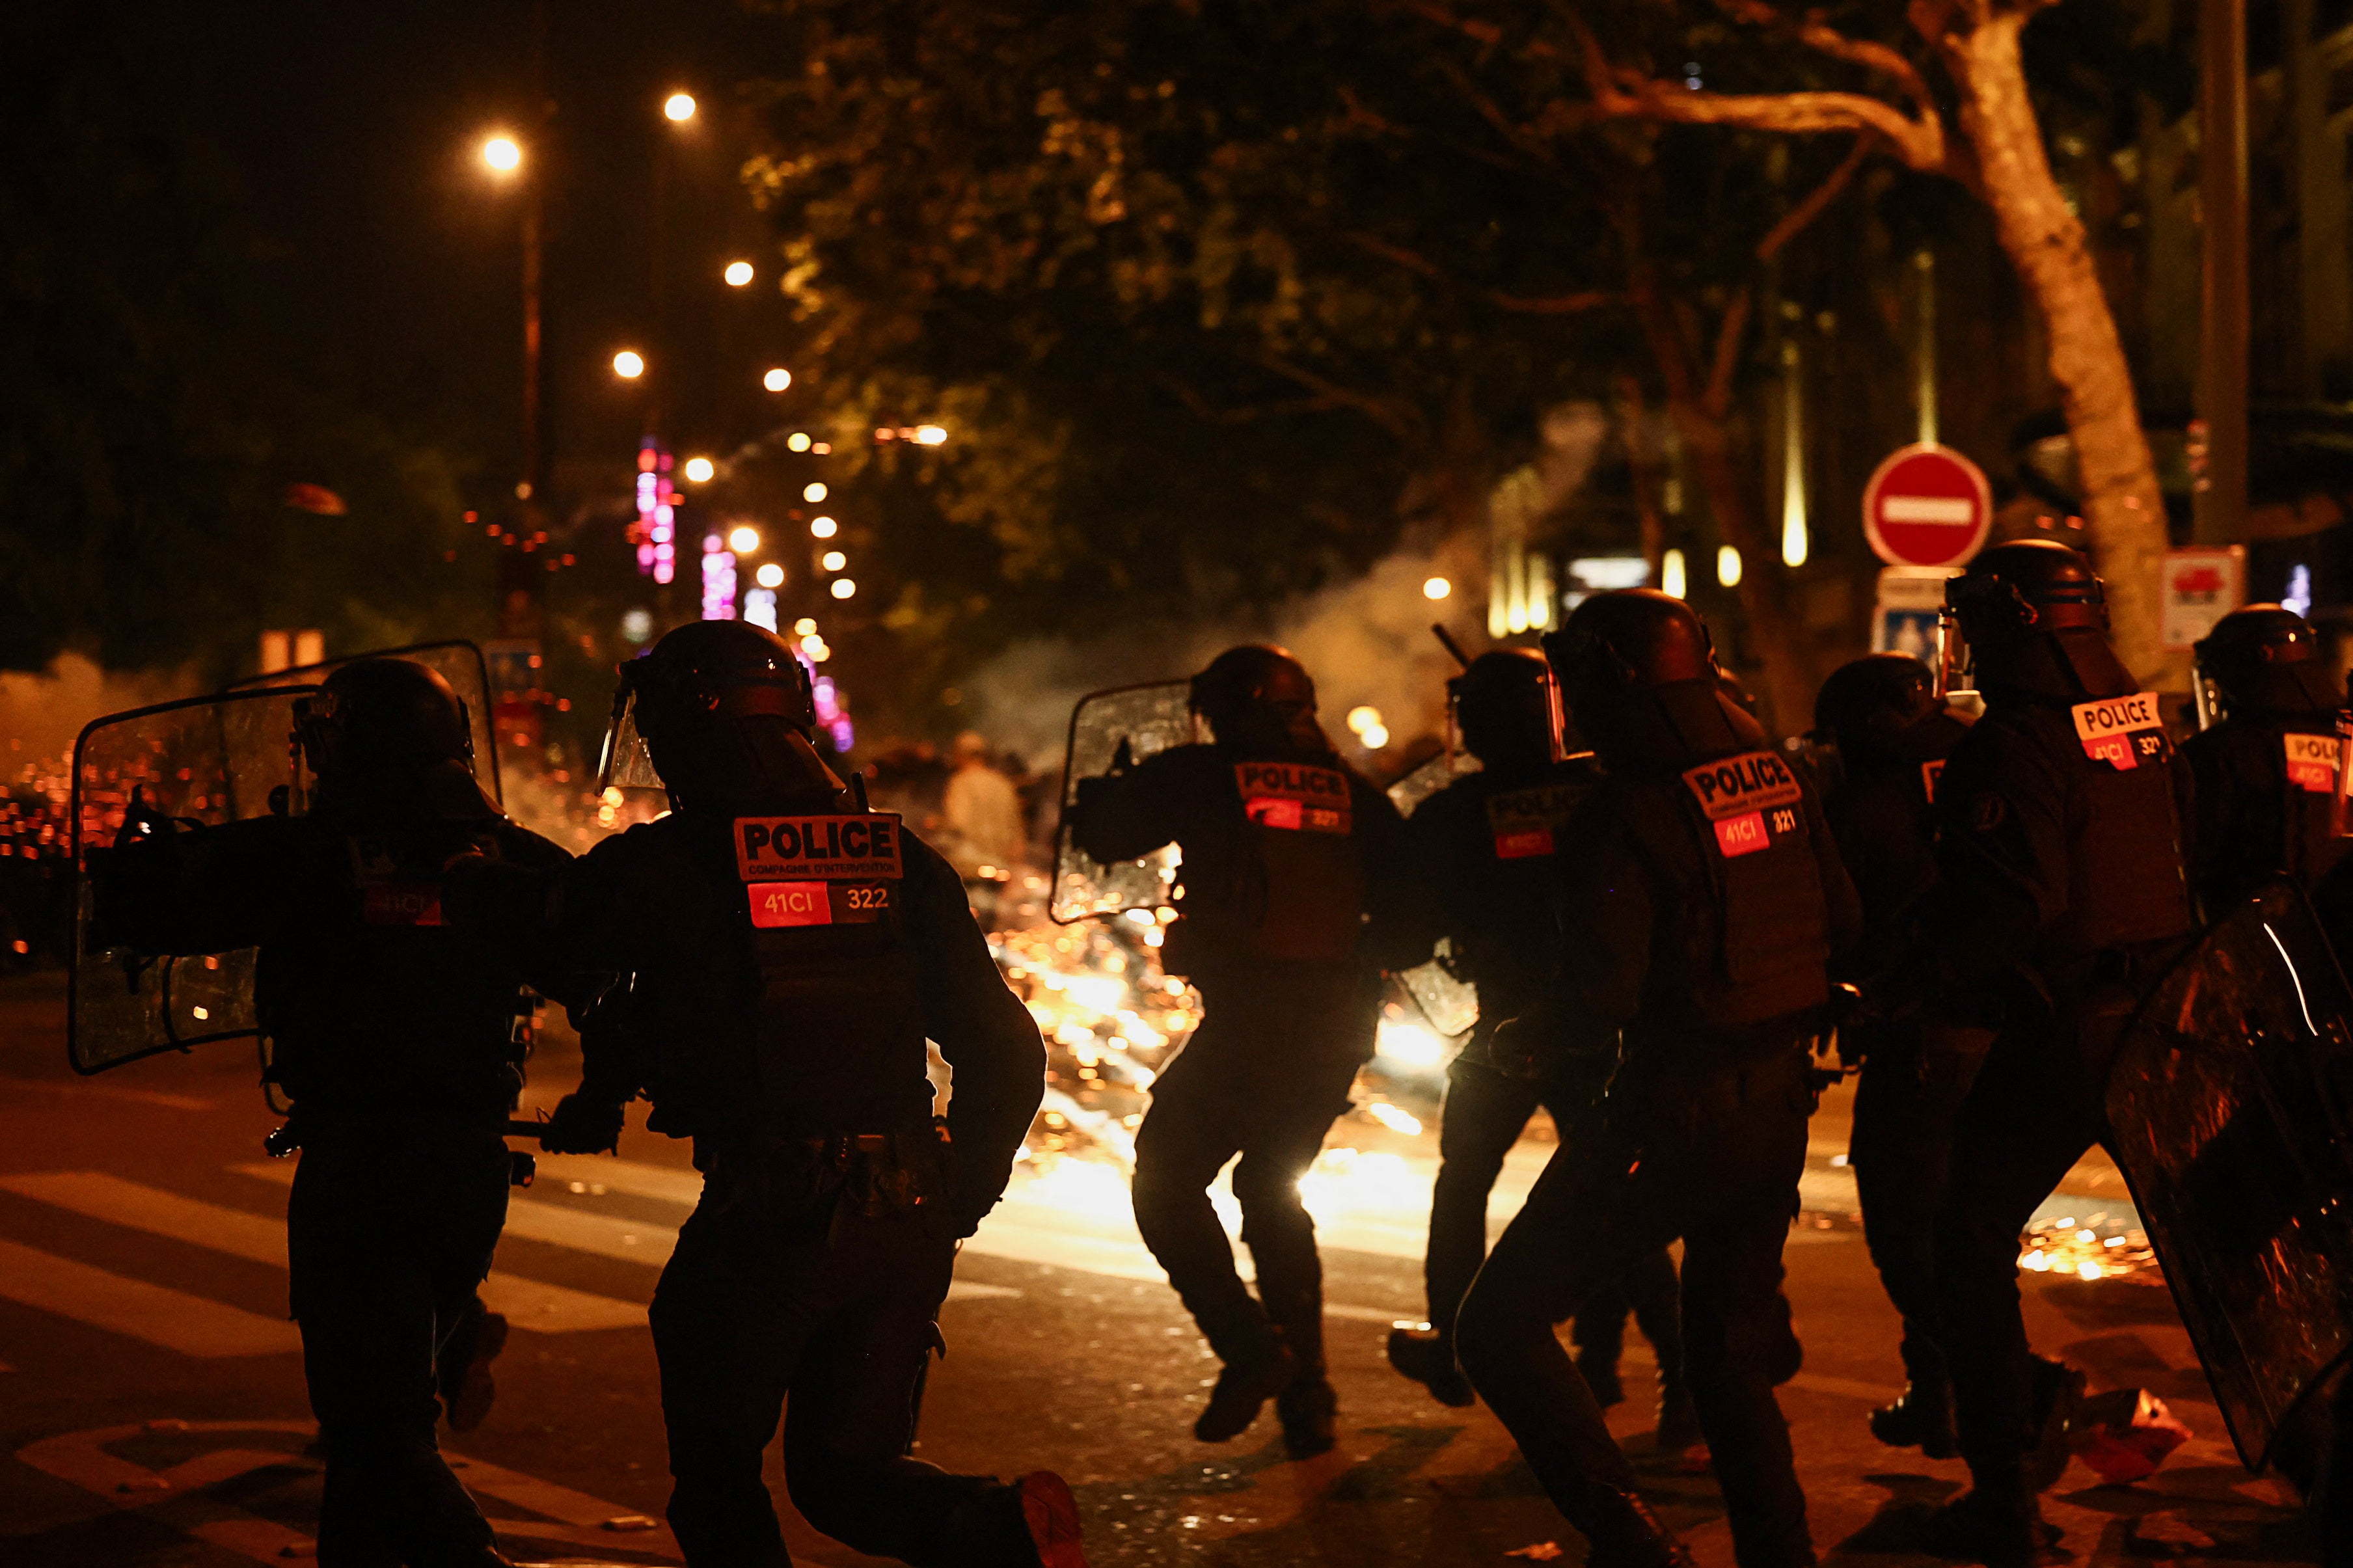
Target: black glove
(1517, 1050)
(583, 1124)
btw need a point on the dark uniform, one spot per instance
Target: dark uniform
(1283, 845)
(1893, 735)
(2061, 897)
(393, 1034)
(2265, 776)
(766, 963)
(1697, 927)
(1479, 869)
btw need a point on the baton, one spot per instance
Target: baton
(1446, 640)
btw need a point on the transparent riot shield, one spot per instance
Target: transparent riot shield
(459, 662)
(1429, 778)
(1110, 729)
(2230, 1111)
(209, 761)
(1449, 1004)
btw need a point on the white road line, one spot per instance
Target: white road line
(172, 1319)
(585, 1230)
(527, 1303)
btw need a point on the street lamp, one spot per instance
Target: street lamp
(678, 107)
(628, 364)
(833, 561)
(769, 576)
(1436, 588)
(778, 380)
(743, 540)
(502, 153)
(823, 527)
(699, 470)
(814, 491)
(738, 273)
(799, 440)
(843, 587)
(930, 435)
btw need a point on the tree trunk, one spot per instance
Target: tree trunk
(2122, 510)
(1779, 642)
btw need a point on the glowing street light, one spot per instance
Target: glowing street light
(814, 491)
(778, 380)
(799, 440)
(1727, 566)
(738, 273)
(502, 153)
(823, 527)
(679, 108)
(628, 364)
(770, 575)
(833, 561)
(743, 540)
(804, 627)
(843, 587)
(1436, 588)
(930, 435)
(699, 470)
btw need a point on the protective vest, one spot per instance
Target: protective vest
(2123, 863)
(2266, 787)
(1756, 827)
(1274, 869)
(1498, 844)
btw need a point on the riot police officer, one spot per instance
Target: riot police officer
(1282, 843)
(1479, 870)
(765, 963)
(393, 1033)
(2061, 895)
(2265, 773)
(1698, 923)
(1893, 733)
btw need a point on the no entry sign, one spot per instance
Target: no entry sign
(1927, 506)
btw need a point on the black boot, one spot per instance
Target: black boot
(1243, 1388)
(1921, 1417)
(1309, 1410)
(462, 1367)
(1998, 1522)
(1600, 1374)
(2058, 1395)
(1678, 1429)
(1621, 1531)
(1427, 1356)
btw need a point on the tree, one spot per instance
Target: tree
(1998, 153)
(1238, 227)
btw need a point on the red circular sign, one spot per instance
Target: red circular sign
(1927, 506)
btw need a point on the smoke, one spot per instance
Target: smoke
(41, 714)
(1367, 642)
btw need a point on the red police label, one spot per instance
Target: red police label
(1930, 773)
(1743, 835)
(1526, 822)
(401, 903)
(779, 904)
(1296, 796)
(860, 847)
(2312, 763)
(1736, 786)
(2121, 730)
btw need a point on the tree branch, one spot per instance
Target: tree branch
(1627, 94)
(1552, 304)
(1716, 402)
(1398, 419)
(1822, 38)
(1794, 220)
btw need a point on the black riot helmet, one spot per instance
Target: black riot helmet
(1638, 669)
(1507, 708)
(1258, 697)
(2035, 616)
(1884, 706)
(389, 734)
(2265, 659)
(716, 710)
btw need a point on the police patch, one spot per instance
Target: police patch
(1526, 822)
(783, 904)
(1296, 796)
(2312, 763)
(2121, 730)
(860, 847)
(1736, 786)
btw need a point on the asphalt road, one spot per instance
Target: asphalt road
(152, 1409)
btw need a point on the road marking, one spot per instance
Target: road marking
(99, 1196)
(585, 1230)
(174, 1320)
(192, 1497)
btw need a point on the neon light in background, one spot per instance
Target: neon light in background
(760, 607)
(718, 580)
